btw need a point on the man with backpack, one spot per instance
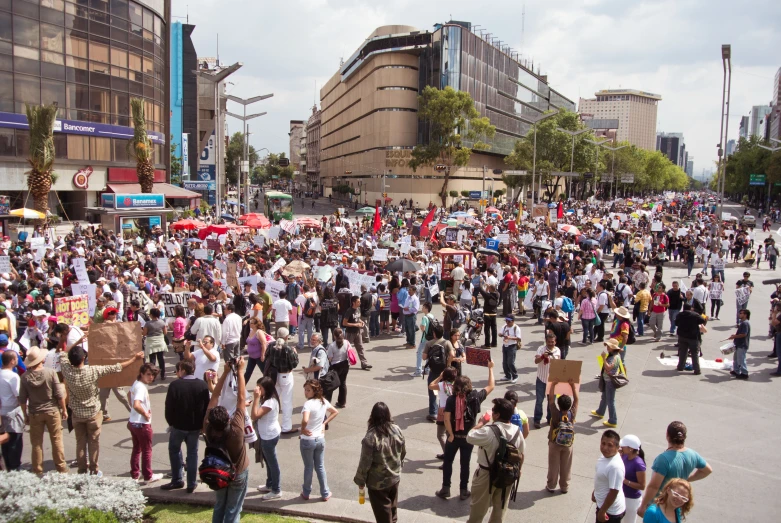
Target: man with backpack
(436, 357)
(561, 437)
(427, 330)
(499, 459)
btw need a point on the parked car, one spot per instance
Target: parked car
(748, 221)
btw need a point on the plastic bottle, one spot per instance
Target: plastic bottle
(361, 495)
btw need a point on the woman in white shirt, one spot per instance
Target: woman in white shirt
(316, 415)
(716, 290)
(140, 425)
(265, 412)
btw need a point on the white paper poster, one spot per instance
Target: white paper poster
(38, 253)
(37, 242)
(615, 225)
(656, 227)
(200, 254)
(273, 287)
(503, 238)
(5, 264)
(406, 239)
(259, 240)
(80, 268)
(325, 273)
(163, 267)
(89, 289)
(316, 244)
(273, 233)
(421, 246)
(683, 232)
(404, 248)
(170, 247)
(380, 255)
(151, 247)
(726, 216)
(742, 294)
(278, 265)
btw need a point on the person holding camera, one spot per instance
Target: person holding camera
(542, 358)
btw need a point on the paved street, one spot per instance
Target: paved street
(733, 424)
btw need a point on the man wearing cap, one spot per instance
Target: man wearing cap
(83, 396)
(542, 358)
(511, 342)
(42, 399)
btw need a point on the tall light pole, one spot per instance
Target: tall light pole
(573, 134)
(596, 156)
(769, 186)
(613, 168)
(534, 120)
(726, 61)
(245, 102)
(216, 78)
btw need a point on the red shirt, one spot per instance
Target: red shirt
(660, 302)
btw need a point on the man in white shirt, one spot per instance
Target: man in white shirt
(608, 491)
(306, 324)
(206, 358)
(207, 325)
(231, 334)
(542, 358)
(10, 412)
(282, 309)
(458, 275)
(511, 342)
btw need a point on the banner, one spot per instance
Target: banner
(492, 243)
(90, 289)
(273, 287)
(112, 343)
(172, 299)
(72, 310)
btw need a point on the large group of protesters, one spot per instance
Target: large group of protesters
(295, 304)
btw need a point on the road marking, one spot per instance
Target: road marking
(386, 390)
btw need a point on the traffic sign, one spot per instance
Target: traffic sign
(628, 178)
(756, 179)
(474, 195)
(588, 175)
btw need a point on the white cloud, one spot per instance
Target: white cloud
(668, 47)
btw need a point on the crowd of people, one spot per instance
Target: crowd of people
(307, 297)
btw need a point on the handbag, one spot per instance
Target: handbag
(619, 379)
(330, 381)
(597, 321)
(352, 357)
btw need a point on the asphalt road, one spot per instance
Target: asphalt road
(733, 424)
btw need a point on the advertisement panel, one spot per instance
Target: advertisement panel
(131, 225)
(139, 201)
(5, 205)
(207, 167)
(19, 121)
(201, 186)
(73, 310)
(186, 154)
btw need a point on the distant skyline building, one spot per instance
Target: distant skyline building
(731, 146)
(313, 152)
(635, 111)
(743, 128)
(672, 145)
(774, 117)
(296, 133)
(690, 166)
(758, 115)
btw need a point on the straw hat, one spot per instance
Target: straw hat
(612, 344)
(623, 312)
(34, 356)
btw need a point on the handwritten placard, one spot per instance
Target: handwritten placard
(163, 267)
(563, 371)
(5, 264)
(80, 268)
(380, 255)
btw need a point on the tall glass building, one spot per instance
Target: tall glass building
(91, 57)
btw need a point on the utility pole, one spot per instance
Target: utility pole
(726, 60)
(482, 193)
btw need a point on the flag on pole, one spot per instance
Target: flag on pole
(426, 221)
(377, 221)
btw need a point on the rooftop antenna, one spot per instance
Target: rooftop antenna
(188, 14)
(523, 24)
(218, 51)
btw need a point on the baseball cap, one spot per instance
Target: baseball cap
(3, 339)
(509, 317)
(108, 311)
(631, 441)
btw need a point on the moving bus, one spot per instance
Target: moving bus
(278, 206)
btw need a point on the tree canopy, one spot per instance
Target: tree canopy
(235, 154)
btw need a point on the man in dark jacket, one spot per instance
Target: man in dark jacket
(185, 410)
(690, 325)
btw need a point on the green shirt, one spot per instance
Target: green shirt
(265, 298)
(381, 459)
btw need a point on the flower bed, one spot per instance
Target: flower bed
(24, 497)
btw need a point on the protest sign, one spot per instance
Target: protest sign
(37, 242)
(151, 247)
(683, 232)
(80, 268)
(172, 299)
(232, 276)
(113, 343)
(72, 310)
(451, 234)
(259, 240)
(212, 245)
(563, 371)
(325, 273)
(222, 266)
(223, 239)
(273, 233)
(406, 239)
(615, 224)
(492, 243)
(433, 290)
(421, 246)
(503, 238)
(278, 265)
(170, 247)
(656, 227)
(476, 356)
(5, 264)
(90, 289)
(742, 294)
(380, 255)
(273, 287)
(200, 254)
(404, 248)
(163, 267)
(726, 216)
(38, 253)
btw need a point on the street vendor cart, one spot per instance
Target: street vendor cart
(449, 259)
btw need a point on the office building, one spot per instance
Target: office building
(369, 121)
(690, 166)
(743, 127)
(758, 115)
(635, 111)
(313, 152)
(207, 143)
(731, 146)
(184, 108)
(295, 134)
(673, 147)
(91, 60)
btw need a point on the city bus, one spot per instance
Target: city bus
(278, 206)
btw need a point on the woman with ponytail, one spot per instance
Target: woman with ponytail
(634, 477)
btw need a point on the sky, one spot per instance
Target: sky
(669, 47)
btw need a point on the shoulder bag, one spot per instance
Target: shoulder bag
(619, 379)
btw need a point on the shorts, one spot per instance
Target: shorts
(395, 315)
(384, 315)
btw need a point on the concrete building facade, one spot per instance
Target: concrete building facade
(758, 115)
(313, 152)
(635, 111)
(295, 134)
(672, 145)
(369, 123)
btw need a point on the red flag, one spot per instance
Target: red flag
(377, 221)
(511, 225)
(429, 217)
(560, 211)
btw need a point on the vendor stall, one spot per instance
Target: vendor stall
(449, 259)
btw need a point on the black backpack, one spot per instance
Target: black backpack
(429, 335)
(436, 360)
(310, 308)
(631, 338)
(505, 470)
(216, 470)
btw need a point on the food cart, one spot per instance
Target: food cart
(449, 259)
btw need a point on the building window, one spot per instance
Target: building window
(53, 91)
(26, 31)
(22, 143)
(100, 149)
(78, 147)
(27, 90)
(7, 142)
(121, 153)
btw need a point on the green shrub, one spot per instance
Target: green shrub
(74, 515)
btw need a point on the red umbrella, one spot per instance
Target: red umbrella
(250, 215)
(491, 209)
(308, 222)
(259, 222)
(187, 225)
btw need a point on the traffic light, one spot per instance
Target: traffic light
(348, 172)
(384, 195)
(440, 167)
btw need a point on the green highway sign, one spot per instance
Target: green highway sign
(756, 179)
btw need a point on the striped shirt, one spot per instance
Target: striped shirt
(82, 384)
(542, 367)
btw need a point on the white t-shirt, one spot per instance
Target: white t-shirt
(513, 332)
(610, 476)
(268, 426)
(202, 363)
(603, 302)
(9, 391)
(544, 368)
(282, 310)
(139, 392)
(317, 410)
(74, 335)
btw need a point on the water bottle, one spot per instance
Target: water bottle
(361, 495)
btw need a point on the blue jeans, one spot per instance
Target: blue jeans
(313, 454)
(409, 328)
(690, 266)
(539, 397)
(175, 440)
(508, 362)
(673, 314)
(251, 364)
(608, 402)
(432, 399)
(739, 361)
(374, 323)
(305, 327)
(419, 356)
(739, 307)
(588, 330)
(273, 475)
(640, 323)
(778, 349)
(227, 508)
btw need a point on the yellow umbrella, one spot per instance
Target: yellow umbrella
(28, 214)
(634, 215)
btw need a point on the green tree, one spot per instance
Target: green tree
(234, 154)
(40, 177)
(455, 128)
(749, 158)
(176, 164)
(143, 151)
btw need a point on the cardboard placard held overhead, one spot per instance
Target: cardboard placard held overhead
(563, 371)
(477, 356)
(163, 267)
(112, 343)
(80, 268)
(656, 227)
(232, 275)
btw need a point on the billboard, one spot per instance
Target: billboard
(132, 201)
(207, 169)
(131, 225)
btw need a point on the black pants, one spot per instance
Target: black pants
(251, 364)
(599, 332)
(384, 503)
(507, 302)
(490, 330)
(611, 518)
(691, 348)
(458, 444)
(715, 304)
(160, 357)
(12, 450)
(341, 369)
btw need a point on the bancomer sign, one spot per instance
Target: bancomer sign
(19, 121)
(132, 201)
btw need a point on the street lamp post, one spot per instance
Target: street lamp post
(573, 134)
(534, 121)
(245, 102)
(216, 78)
(726, 61)
(613, 168)
(596, 156)
(769, 186)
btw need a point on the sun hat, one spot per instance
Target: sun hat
(622, 312)
(631, 441)
(34, 356)
(612, 344)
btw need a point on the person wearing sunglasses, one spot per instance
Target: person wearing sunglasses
(672, 505)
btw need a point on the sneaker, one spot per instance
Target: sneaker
(190, 490)
(155, 477)
(597, 415)
(464, 494)
(106, 419)
(272, 495)
(608, 424)
(502, 379)
(514, 380)
(742, 376)
(733, 373)
(263, 489)
(172, 486)
(416, 374)
(327, 497)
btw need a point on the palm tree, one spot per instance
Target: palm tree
(142, 147)
(40, 119)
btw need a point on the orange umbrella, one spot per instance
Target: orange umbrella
(250, 215)
(259, 222)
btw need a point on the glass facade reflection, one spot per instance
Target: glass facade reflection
(502, 89)
(89, 56)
